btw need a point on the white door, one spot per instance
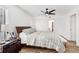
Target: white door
(73, 27)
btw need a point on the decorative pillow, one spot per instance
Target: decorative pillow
(28, 31)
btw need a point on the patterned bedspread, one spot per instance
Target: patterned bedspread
(46, 39)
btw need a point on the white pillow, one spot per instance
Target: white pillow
(28, 31)
(21, 35)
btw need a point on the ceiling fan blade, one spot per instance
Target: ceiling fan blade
(52, 11)
(52, 14)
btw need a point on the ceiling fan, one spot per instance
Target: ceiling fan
(48, 12)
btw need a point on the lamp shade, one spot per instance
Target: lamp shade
(3, 27)
(9, 28)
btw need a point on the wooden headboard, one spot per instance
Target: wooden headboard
(20, 28)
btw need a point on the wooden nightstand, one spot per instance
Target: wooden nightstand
(11, 46)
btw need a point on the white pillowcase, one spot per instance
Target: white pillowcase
(28, 31)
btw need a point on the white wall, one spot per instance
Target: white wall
(41, 23)
(68, 34)
(17, 17)
(60, 24)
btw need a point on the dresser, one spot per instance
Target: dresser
(11, 46)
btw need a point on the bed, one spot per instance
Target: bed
(45, 39)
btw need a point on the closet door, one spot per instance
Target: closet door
(73, 27)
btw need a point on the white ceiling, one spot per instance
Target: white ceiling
(35, 10)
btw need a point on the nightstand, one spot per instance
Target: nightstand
(11, 46)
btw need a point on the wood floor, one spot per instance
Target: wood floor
(70, 48)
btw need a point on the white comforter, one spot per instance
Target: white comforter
(46, 39)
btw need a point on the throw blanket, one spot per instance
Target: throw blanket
(46, 39)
